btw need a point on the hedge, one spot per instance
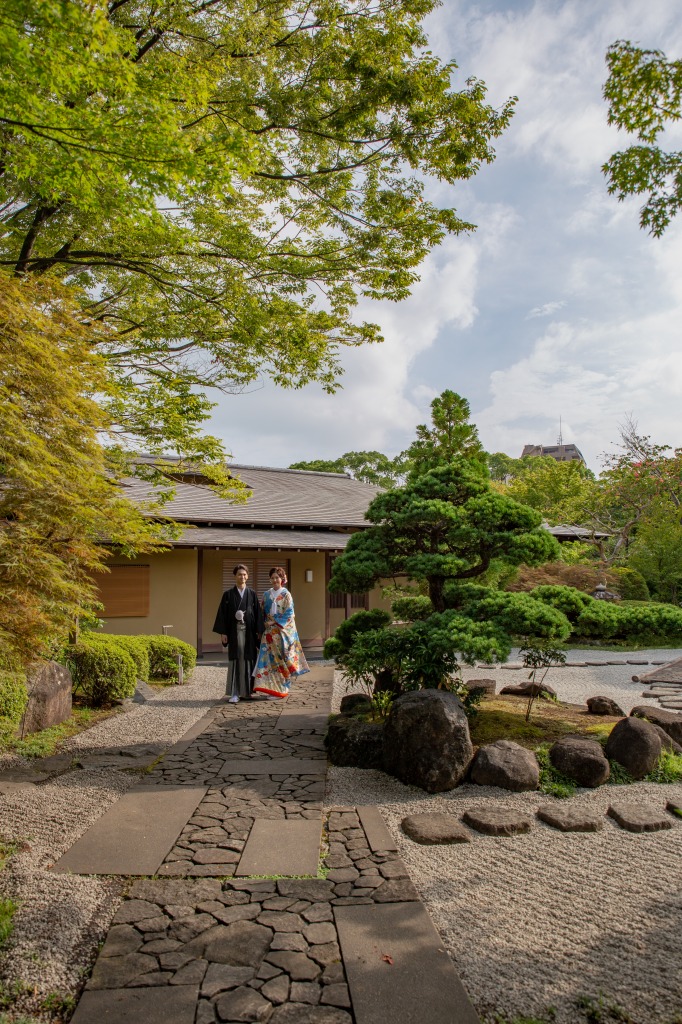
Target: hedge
(568, 600)
(101, 668)
(138, 649)
(163, 653)
(605, 620)
(13, 696)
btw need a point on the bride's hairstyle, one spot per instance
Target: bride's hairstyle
(280, 572)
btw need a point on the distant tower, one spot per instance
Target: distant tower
(560, 439)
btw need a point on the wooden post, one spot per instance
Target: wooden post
(200, 602)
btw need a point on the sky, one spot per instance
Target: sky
(558, 306)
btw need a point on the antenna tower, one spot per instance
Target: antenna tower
(560, 439)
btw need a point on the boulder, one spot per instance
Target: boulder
(355, 702)
(580, 759)
(529, 689)
(667, 742)
(604, 706)
(489, 686)
(49, 688)
(505, 764)
(669, 721)
(635, 744)
(352, 743)
(426, 740)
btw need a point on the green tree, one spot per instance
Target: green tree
(502, 466)
(559, 490)
(370, 467)
(446, 525)
(60, 505)
(450, 436)
(657, 553)
(644, 93)
(225, 181)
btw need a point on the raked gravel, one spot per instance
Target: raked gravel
(540, 920)
(61, 918)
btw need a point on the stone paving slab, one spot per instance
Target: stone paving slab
(277, 847)
(378, 836)
(275, 766)
(138, 1006)
(192, 733)
(134, 835)
(397, 968)
(303, 721)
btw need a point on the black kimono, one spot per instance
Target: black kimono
(243, 637)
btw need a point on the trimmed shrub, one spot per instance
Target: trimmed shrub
(629, 583)
(362, 622)
(163, 653)
(102, 670)
(412, 608)
(138, 649)
(599, 619)
(13, 696)
(567, 599)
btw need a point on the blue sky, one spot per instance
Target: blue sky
(558, 305)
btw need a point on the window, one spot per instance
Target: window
(338, 599)
(124, 591)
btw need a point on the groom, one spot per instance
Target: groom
(240, 623)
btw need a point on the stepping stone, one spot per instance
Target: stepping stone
(378, 836)
(672, 705)
(274, 766)
(675, 807)
(397, 968)
(278, 847)
(434, 828)
(569, 819)
(639, 817)
(158, 1005)
(134, 836)
(496, 821)
(668, 673)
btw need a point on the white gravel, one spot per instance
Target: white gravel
(61, 918)
(539, 920)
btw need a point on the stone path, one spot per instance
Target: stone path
(205, 940)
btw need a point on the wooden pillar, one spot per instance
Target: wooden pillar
(327, 577)
(200, 602)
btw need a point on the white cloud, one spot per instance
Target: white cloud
(547, 309)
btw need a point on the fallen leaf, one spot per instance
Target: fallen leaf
(387, 958)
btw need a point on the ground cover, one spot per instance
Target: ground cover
(503, 717)
(48, 741)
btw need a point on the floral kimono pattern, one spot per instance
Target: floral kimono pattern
(281, 657)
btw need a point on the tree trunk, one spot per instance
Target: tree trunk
(436, 592)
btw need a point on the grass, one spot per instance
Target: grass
(504, 718)
(8, 909)
(47, 741)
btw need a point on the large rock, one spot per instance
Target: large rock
(506, 764)
(352, 743)
(353, 702)
(580, 759)
(635, 744)
(529, 689)
(668, 720)
(604, 706)
(426, 740)
(667, 742)
(488, 686)
(49, 688)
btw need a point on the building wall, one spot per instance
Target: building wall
(172, 596)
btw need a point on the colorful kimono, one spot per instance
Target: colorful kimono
(281, 656)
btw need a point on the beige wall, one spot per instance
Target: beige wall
(172, 596)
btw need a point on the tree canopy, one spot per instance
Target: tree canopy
(225, 181)
(370, 467)
(644, 93)
(59, 502)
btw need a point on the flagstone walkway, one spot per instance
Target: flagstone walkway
(261, 906)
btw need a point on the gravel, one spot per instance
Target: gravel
(61, 918)
(541, 920)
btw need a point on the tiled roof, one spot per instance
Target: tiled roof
(574, 532)
(273, 540)
(280, 497)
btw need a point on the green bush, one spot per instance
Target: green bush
(629, 583)
(362, 622)
(13, 696)
(412, 608)
(566, 599)
(163, 653)
(138, 649)
(517, 614)
(102, 670)
(599, 619)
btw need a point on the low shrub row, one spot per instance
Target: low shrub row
(607, 620)
(106, 666)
